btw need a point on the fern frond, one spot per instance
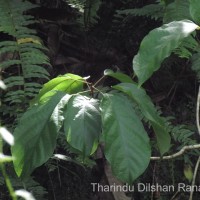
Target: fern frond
(27, 58)
(78, 4)
(178, 10)
(88, 10)
(196, 64)
(187, 47)
(154, 11)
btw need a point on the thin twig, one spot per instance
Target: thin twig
(194, 178)
(175, 195)
(198, 161)
(99, 80)
(197, 111)
(8, 183)
(179, 153)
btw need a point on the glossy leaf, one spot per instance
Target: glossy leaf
(35, 136)
(68, 83)
(82, 123)
(119, 76)
(158, 45)
(149, 111)
(194, 10)
(127, 146)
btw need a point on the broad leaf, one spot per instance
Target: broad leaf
(127, 146)
(194, 10)
(149, 111)
(118, 75)
(35, 136)
(82, 123)
(68, 83)
(158, 45)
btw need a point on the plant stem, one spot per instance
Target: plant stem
(194, 178)
(198, 161)
(8, 183)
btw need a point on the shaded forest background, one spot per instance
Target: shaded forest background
(109, 41)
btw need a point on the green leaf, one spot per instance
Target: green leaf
(149, 111)
(158, 45)
(82, 123)
(35, 136)
(68, 83)
(118, 75)
(194, 10)
(127, 146)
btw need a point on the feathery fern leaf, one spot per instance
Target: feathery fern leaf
(176, 11)
(196, 63)
(26, 58)
(154, 11)
(88, 8)
(187, 47)
(78, 4)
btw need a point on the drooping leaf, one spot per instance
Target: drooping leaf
(35, 136)
(82, 123)
(158, 45)
(127, 146)
(194, 10)
(68, 83)
(119, 76)
(149, 111)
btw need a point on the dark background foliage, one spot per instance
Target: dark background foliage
(110, 42)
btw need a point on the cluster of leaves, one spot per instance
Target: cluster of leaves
(61, 104)
(22, 55)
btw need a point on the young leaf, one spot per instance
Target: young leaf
(149, 111)
(82, 123)
(158, 45)
(35, 136)
(194, 10)
(68, 83)
(119, 76)
(127, 146)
